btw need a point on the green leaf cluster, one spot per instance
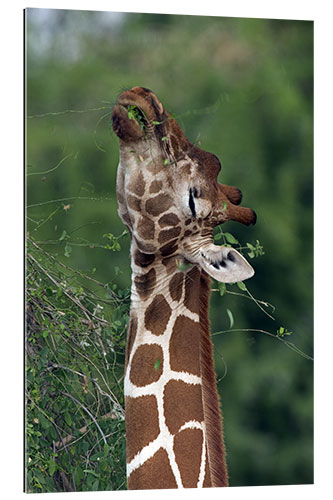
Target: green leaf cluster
(134, 113)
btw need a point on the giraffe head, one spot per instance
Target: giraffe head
(168, 193)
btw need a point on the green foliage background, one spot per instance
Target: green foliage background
(241, 88)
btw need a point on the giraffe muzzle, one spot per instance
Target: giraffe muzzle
(127, 128)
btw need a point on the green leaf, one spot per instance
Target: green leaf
(222, 288)
(44, 422)
(68, 418)
(63, 235)
(230, 238)
(242, 286)
(91, 472)
(52, 466)
(95, 485)
(68, 250)
(217, 236)
(96, 456)
(282, 331)
(183, 266)
(78, 475)
(231, 318)
(157, 364)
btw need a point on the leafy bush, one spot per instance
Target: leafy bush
(74, 368)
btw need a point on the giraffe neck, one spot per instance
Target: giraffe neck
(173, 421)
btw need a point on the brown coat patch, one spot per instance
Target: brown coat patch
(182, 403)
(159, 204)
(168, 220)
(168, 234)
(146, 228)
(133, 202)
(169, 248)
(185, 346)
(187, 169)
(170, 263)
(146, 365)
(143, 259)
(137, 185)
(142, 425)
(188, 450)
(155, 473)
(126, 218)
(145, 247)
(155, 187)
(132, 329)
(176, 286)
(157, 315)
(192, 285)
(145, 283)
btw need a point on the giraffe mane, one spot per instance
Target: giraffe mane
(211, 400)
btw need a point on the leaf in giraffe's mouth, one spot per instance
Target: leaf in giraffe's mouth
(135, 113)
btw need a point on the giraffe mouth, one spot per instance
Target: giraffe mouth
(129, 121)
(137, 114)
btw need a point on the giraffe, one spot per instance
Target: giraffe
(169, 199)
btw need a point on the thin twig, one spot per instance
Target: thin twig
(73, 299)
(291, 346)
(68, 199)
(66, 111)
(88, 412)
(53, 168)
(83, 430)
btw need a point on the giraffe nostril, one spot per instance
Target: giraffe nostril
(231, 257)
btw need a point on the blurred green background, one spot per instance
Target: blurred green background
(242, 89)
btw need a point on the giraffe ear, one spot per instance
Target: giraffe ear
(225, 264)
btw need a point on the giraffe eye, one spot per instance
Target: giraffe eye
(191, 201)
